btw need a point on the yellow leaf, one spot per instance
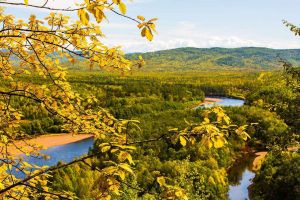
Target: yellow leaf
(182, 141)
(99, 15)
(141, 25)
(149, 34)
(219, 142)
(83, 16)
(1, 186)
(114, 150)
(143, 33)
(179, 193)
(124, 155)
(105, 149)
(122, 8)
(226, 119)
(115, 189)
(116, 1)
(142, 18)
(26, 2)
(126, 167)
(152, 20)
(161, 181)
(4, 139)
(192, 140)
(153, 27)
(121, 174)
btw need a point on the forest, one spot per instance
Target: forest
(160, 102)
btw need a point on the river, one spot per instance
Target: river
(240, 178)
(221, 101)
(240, 175)
(68, 152)
(65, 153)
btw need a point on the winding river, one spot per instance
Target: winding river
(240, 178)
(240, 175)
(221, 101)
(64, 153)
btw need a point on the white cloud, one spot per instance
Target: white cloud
(185, 34)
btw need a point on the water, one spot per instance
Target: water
(69, 152)
(224, 101)
(240, 178)
(65, 153)
(230, 102)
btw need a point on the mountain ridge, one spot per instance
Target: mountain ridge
(194, 59)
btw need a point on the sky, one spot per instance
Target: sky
(197, 23)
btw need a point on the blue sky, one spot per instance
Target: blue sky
(201, 23)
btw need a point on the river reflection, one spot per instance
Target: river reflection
(240, 178)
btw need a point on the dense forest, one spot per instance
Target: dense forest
(167, 100)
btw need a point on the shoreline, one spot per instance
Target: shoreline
(45, 142)
(210, 100)
(258, 160)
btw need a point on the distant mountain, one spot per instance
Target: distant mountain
(194, 59)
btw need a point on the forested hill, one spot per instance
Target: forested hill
(187, 59)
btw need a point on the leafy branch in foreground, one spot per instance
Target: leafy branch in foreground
(36, 49)
(31, 67)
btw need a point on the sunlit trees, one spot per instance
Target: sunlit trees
(278, 177)
(36, 48)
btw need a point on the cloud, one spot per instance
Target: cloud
(184, 34)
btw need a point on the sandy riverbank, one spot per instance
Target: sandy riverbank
(258, 160)
(210, 100)
(260, 156)
(45, 142)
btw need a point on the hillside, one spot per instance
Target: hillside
(193, 59)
